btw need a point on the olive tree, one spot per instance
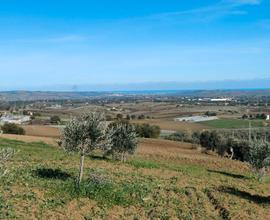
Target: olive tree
(84, 134)
(5, 155)
(124, 140)
(259, 157)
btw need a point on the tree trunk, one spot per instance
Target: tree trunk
(81, 169)
(125, 157)
(232, 153)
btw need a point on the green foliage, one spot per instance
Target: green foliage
(141, 117)
(180, 136)
(144, 164)
(123, 139)
(222, 143)
(119, 116)
(108, 192)
(208, 113)
(147, 131)
(259, 156)
(55, 119)
(85, 133)
(232, 123)
(11, 128)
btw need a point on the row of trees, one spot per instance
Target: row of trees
(89, 132)
(254, 151)
(252, 147)
(256, 116)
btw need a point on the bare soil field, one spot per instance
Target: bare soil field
(41, 131)
(169, 124)
(29, 139)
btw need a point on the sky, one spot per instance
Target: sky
(66, 42)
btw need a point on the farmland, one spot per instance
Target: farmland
(162, 180)
(233, 123)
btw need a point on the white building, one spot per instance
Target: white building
(267, 117)
(196, 118)
(221, 100)
(15, 119)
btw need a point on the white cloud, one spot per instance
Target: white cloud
(211, 12)
(245, 2)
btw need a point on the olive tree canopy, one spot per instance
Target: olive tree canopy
(84, 134)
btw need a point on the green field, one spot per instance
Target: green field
(40, 185)
(233, 123)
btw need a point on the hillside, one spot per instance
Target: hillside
(163, 180)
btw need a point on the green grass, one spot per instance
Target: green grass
(41, 185)
(232, 123)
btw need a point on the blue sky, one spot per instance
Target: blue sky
(57, 42)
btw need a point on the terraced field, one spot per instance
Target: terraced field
(163, 180)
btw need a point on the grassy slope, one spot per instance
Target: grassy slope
(232, 123)
(177, 182)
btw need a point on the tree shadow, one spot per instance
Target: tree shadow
(245, 195)
(49, 173)
(97, 157)
(238, 176)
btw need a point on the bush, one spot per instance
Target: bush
(55, 119)
(147, 131)
(180, 136)
(11, 128)
(119, 116)
(141, 117)
(210, 113)
(259, 157)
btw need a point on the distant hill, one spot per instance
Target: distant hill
(43, 95)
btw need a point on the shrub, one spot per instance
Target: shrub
(210, 113)
(55, 119)
(119, 116)
(11, 128)
(147, 131)
(141, 117)
(133, 117)
(259, 157)
(180, 136)
(196, 137)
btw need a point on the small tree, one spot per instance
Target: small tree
(55, 119)
(83, 135)
(259, 157)
(11, 128)
(124, 140)
(147, 131)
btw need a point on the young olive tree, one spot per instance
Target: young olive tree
(84, 134)
(259, 157)
(124, 140)
(5, 155)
